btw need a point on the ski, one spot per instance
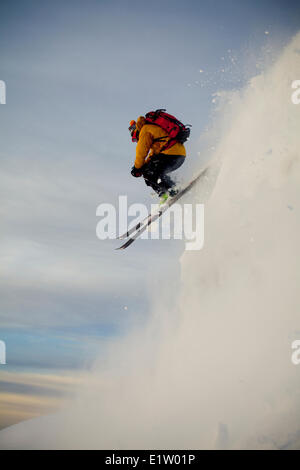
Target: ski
(135, 228)
(153, 217)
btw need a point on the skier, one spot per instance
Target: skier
(159, 150)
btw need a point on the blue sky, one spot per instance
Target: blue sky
(76, 73)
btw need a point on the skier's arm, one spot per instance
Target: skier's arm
(142, 149)
(150, 154)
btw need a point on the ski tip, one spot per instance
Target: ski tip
(128, 243)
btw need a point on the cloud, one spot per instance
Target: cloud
(27, 395)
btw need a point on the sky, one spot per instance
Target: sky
(76, 73)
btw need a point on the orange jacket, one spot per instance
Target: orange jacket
(146, 146)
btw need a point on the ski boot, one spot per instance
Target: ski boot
(173, 192)
(163, 198)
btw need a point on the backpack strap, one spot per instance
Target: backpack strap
(160, 139)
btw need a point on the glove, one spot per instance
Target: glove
(136, 172)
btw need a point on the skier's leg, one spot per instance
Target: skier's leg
(166, 183)
(151, 174)
(171, 163)
(156, 171)
(153, 185)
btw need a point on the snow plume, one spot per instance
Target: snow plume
(214, 370)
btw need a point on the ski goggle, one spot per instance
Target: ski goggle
(133, 131)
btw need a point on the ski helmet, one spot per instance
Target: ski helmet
(133, 131)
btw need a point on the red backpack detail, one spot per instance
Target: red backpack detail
(177, 131)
